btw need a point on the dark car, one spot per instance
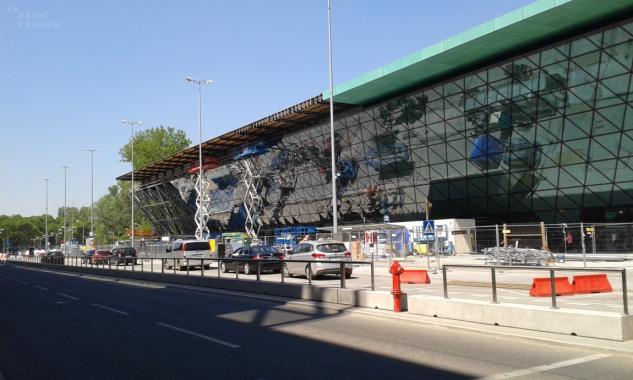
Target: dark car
(53, 256)
(245, 260)
(125, 255)
(101, 256)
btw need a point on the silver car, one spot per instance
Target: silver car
(325, 255)
(181, 250)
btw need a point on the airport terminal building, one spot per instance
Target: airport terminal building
(528, 117)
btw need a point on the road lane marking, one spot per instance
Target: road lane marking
(547, 367)
(10, 278)
(23, 282)
(111, 309)
(67, 296)
(41, 288)
(210, 339)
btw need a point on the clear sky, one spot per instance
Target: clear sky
(71, 70)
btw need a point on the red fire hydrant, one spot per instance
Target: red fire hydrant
(396, 270)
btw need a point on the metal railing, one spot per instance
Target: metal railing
(172, 265)
(552, 276)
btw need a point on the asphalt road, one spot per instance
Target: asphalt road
(68, 327)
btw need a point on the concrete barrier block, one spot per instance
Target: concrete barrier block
(315, 293)
(372, 299)
(588, 323)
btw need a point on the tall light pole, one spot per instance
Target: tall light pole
(332, 142)
(65, 167)
(92, 178)
(133, 124)
(46, 214)
(202, 215)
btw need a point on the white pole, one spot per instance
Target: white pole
(201, 214)
(133, 124)
(92, 151)
(65, 167)
(46, 216)
(332, 142)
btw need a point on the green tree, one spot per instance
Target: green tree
(113, 210)
(154, 144)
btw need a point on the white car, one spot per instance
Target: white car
(326, 257)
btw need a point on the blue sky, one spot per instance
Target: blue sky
(71, 70)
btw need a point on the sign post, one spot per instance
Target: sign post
(428, 235)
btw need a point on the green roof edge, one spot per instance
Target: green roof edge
(352, 91)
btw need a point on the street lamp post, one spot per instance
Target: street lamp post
(202, 216)
(65, 167)
(132, 124)
(92, 177)
(46, 180)
(332, 142)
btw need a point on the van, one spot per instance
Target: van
(191, 250)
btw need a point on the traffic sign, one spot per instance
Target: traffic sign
(385, 218)
(428, 230)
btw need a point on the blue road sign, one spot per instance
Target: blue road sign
(428, 230)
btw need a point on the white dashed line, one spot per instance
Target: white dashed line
(67, 296)
(23, 282)
(210, 339)
(547, 367)
(41, 288)
(111, 309)
(10, 278)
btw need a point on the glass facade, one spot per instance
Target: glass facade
(543, 136)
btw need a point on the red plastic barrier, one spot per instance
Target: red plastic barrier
(541, 287)
(415, 276)
(591, 283)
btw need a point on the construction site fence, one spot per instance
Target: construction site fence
(571, 239)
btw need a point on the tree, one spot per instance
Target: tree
(113, 210)
(154, 144)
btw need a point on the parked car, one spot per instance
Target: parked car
(326, 255)
(125, 255)
(101, 256)
(181, 250)
(54, 256)
(240, 260)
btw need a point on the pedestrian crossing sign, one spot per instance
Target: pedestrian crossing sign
(428, 230)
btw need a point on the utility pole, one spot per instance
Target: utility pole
(65, 167)
(202, 201)
(92, 178)
(332, 142)
(46, 180)
(132, 124)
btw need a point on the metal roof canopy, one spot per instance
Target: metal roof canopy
(301, 115)
(364, 227)
(536, 22)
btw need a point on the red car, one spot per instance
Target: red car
(101, 256)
